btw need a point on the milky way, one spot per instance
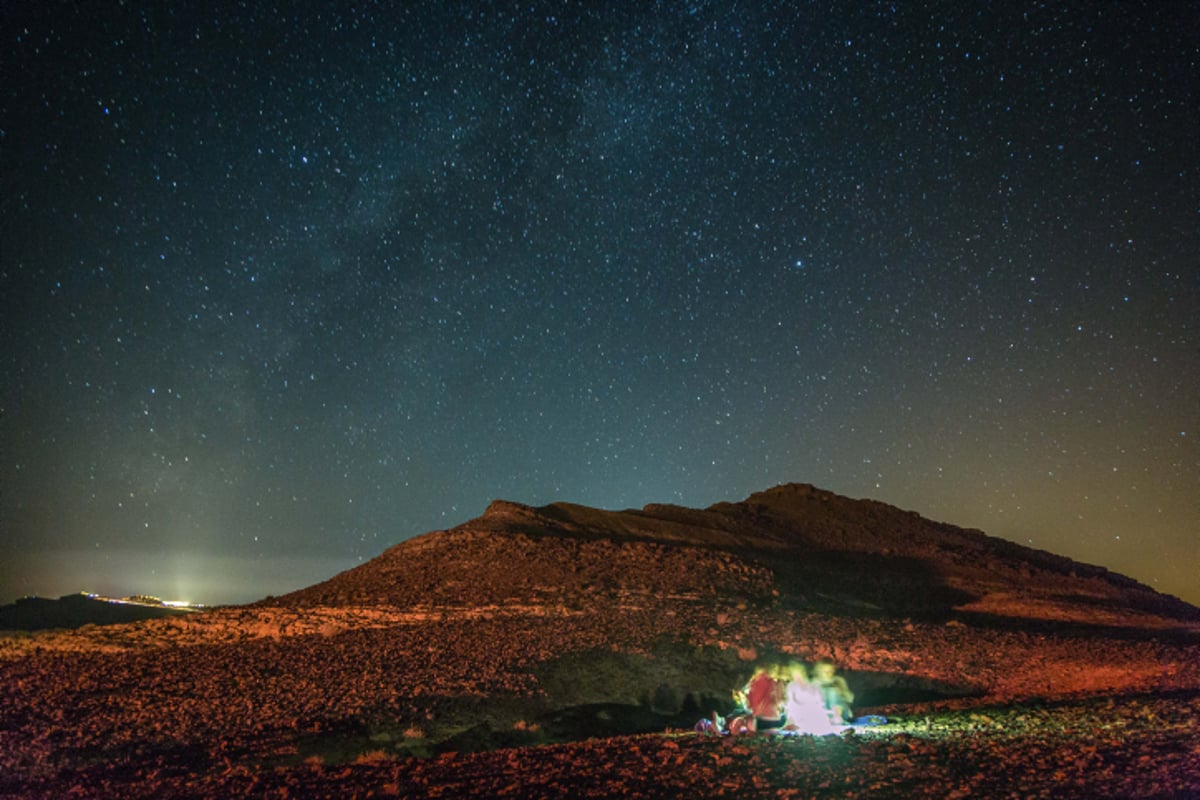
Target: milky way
(282, 286)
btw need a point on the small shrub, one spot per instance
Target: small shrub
(373, 757)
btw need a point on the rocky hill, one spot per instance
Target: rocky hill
(567, 651)
(793, 545)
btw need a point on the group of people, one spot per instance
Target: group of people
(786, 697)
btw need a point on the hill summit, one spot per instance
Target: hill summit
(794, 545)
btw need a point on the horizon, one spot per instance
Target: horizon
(224, 581)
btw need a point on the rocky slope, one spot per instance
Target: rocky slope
(477, 661)
(794, 544)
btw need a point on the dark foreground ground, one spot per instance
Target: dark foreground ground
(552, 700)
(1130, 746)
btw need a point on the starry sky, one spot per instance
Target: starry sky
(284, 284)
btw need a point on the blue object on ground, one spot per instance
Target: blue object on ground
(868, 721)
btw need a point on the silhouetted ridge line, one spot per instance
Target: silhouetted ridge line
(793, 544)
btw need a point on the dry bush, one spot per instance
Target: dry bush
(373, 757)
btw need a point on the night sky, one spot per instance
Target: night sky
(284, 284)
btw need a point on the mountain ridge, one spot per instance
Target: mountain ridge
(793, 544)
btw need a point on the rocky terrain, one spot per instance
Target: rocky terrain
(567, 651)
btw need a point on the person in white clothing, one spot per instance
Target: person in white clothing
(804, 708)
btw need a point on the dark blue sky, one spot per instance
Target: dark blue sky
(283, 286)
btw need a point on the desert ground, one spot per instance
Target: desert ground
(569, 652)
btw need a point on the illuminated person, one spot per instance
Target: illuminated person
(835, 694)
(804, 708)
(741, 697)
(740, 720)
(765, 698)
